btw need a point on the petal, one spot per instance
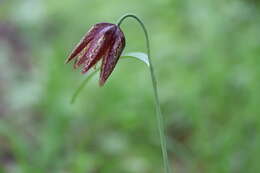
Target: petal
(110, 60)
(97, 49)
(86, 39)
(81, 56)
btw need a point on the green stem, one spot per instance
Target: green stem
(157, 102)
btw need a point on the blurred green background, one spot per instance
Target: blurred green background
(206, 57)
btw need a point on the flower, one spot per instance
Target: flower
(103, 41)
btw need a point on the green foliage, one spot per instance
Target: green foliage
(206, 57)
(137, 55)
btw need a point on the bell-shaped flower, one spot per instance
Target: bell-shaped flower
(103, 41)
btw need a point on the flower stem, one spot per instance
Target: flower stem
(155, 90)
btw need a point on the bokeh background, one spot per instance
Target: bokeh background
(206, 57)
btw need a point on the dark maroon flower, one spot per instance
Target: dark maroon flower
(103, 41)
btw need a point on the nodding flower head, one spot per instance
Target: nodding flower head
(103, 41)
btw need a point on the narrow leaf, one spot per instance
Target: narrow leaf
(82, 85)
(138, 55)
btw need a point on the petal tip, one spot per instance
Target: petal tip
(101, 83)
(67, 61)
(85, 70)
